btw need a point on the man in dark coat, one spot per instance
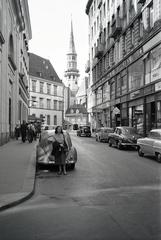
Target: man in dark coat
(23, 131)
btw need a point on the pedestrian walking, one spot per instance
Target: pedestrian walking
(17, 131)
(60, 149)
(23, 131)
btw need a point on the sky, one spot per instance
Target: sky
(51, 24)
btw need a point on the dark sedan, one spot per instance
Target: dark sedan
(124, 137)
(84, 131)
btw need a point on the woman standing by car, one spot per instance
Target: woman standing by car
(59, 149)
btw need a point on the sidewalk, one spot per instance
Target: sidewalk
(17, 172)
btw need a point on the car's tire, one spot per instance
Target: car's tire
(109, 143)
(158, 157)
(140, 152)
(73, 166)
(119, 145)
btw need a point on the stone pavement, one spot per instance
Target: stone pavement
(17, 172)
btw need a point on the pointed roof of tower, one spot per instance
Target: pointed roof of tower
(71, 43)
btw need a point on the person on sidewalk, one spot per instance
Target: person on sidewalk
(17, 131)
(23, 131)
(59, 150)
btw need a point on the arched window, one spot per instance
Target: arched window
(11, 47)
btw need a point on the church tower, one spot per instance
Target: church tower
(72, 73)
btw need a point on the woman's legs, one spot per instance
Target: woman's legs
(60, 170)
(64, 169)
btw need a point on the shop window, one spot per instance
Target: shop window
(156, 63)
(136, 74)
(147, 70)
(106, 92)
(159, 114)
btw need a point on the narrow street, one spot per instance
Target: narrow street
(111, 194)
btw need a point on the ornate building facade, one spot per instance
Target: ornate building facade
(125, 56)
(15, 33)
(46, 92)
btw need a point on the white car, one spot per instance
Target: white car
(150, 145)
(44, 149)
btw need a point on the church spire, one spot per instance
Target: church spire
(71, 43)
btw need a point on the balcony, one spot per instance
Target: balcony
(99, 3)
(116, 28)
(87, 67)
(99, 51)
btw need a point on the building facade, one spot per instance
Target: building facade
(15, 33)
(125, 57)
(46, 92)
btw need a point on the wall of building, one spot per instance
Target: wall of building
(123, 55)
(42, 100)
(14, 22)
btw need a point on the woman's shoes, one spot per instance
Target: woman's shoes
(65, 173)
(59, 173)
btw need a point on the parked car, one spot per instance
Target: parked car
(44, 150)
(150, 145)
(84, 131)
(102, 134)
(123, 137)
(47, 127)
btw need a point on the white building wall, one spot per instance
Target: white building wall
(37, 109)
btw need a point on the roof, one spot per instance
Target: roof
(76, 108)
(71, 43)
(42, 68)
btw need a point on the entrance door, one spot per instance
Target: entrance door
(10, 116)
(153, 115)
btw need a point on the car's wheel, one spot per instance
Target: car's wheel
(140, 152)
(158, 157)
(119, 145)
(72, 166)
(110, 143)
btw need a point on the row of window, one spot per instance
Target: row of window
(49, 88)
(48, 119)
(142, 72)
(57, 105)
(127, 40)
(121, 47)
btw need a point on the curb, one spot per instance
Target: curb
(28, 189)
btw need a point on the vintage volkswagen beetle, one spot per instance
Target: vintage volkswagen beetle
(44, 149)
(150, 145)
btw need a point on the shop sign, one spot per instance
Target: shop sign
(116, 111)
(158, 86)
(155, 74)
(104, 105)
(135, 94)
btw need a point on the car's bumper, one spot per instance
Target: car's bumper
(129, 144)
(51, 163)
